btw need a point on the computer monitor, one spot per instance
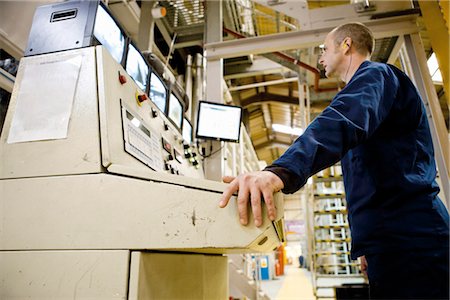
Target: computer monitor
(187, 131)
(218, 121)
(108, 33)
(158, 91)
(137, 67)
(175, 112)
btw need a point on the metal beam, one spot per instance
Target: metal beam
(294, 8)
(424, 83)
(264, 98)
(267, 118)
(273, 144)
(302, 39)
(164, 32)
(438, 31)
(213, 165)
(6, 81)
(146, 26)
(264, 83)
(260, 98)
(396, 50)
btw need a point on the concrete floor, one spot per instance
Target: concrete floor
(295, 284)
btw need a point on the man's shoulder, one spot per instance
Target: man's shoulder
(382, 69)
(373, 65)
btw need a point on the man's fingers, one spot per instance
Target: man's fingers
(242, 205)
(228, 179)
(251, 187)
(271, 209)
(230, 190)
(255, 197)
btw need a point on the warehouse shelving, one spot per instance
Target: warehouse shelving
(332, 265)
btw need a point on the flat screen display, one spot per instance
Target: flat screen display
(187, 131)
(136, 67)
(158, 91)
(175, 112)
(109, 34)
(218, 121)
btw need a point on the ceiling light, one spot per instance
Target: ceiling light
(287, 129)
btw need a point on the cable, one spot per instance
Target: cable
(210, 151)
(346, 73)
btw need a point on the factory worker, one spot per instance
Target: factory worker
(377, 126)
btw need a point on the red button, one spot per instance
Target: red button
(122, 79)
(142, 97)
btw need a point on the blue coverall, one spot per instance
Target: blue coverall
(377, 126)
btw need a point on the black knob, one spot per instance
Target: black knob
(166, 127)
(170, 157)
(154, 113)
(187, 155)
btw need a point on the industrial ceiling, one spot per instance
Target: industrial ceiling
(266, 85)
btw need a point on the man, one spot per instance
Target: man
(377, 127)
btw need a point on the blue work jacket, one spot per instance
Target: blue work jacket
(377, 126)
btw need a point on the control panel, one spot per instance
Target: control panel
(147, 134)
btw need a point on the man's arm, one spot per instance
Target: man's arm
(352, 117)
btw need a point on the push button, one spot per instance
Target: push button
(122, 79)
(140, 98)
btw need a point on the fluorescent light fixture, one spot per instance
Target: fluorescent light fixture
(433, 67)
(286, 129)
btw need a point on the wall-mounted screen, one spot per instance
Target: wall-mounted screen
(109, 34)
(187, 131)
(175, 112)
(158, 91)
(218, 121)
(137, 67)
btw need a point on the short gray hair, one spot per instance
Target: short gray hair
(361, 36)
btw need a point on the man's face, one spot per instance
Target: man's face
(332, 57)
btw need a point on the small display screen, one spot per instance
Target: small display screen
(158, 91)
(175, 112)
(218, 121)
(109, 34)
(137, 67)
(187, 131)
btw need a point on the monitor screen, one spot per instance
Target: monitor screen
(218, 121)
(109, 34)
(158, 91)
(187, 131)
(137, 67)
(175, 112)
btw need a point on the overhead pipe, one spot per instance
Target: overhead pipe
(188, 84)
(295, 61)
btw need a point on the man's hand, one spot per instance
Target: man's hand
(363, 265)
(251, 186)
